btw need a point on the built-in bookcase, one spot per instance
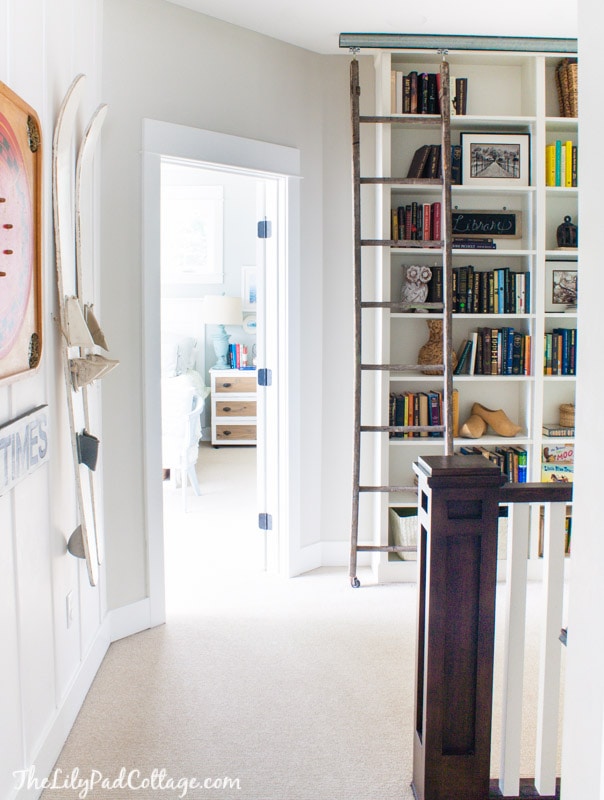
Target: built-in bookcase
(507, 94)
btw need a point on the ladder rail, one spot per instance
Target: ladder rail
(355, 91)
(445, 245)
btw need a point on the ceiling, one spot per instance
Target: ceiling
(316, 24)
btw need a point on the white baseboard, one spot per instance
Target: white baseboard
(325, 554)
(130, 619)
(307, 558)
(60, 725)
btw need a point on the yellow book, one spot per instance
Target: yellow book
(568, 164)
(550, 165)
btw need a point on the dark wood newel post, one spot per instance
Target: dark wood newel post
(457, 560)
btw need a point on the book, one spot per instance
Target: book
(422, 93)
(555, 429)
(436, 221)
(413, 92)
(559, 471)
(432, 168)
(456, 164)
(406, 94)
(472, 357)
(461, 95)
(568, 164)
(433, 94)
(461, 367)
(558, 452)
(419, 161)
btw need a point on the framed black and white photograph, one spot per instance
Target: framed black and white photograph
(560, 286)
(500, 159)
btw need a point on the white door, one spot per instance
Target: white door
(269, 245)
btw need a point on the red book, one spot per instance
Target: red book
(408, 223)
(427, 229)
(436, 233)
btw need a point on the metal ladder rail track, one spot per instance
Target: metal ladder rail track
(446, 246)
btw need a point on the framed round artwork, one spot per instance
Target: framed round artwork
(20, 246)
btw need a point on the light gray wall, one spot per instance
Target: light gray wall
(188, 69)
(42, 48)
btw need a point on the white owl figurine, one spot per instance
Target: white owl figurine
(415, 288)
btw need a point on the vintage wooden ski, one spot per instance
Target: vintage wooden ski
(82, 541)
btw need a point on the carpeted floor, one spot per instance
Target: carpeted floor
(296, 689)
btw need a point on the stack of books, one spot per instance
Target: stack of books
(557, 461)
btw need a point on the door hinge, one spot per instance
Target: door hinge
(265, 522)
(265, 229)
(265, 377)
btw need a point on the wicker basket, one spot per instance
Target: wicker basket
(567, 415)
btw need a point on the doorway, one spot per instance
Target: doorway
(211, 266)
(274, 168)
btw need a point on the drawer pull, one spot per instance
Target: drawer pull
(226, 433)
(226, 385)
(227, 408)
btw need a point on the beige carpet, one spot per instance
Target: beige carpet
(295, 689)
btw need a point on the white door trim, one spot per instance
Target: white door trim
(162, 139)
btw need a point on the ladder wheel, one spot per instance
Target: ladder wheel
(355, 582)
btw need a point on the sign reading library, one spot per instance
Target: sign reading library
(23, 447)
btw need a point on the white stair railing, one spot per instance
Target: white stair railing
(549, 681)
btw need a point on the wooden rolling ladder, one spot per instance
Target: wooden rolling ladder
(359, 304)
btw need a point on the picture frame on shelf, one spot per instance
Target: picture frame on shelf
(561, 286)
(495, 159)
(249, 293)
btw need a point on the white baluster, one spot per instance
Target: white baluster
(549, 668)
(513, 655)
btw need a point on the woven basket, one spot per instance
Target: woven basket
(567, 415)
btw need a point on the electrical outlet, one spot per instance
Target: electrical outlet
(69, 608)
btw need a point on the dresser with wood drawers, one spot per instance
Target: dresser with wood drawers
(233, 406)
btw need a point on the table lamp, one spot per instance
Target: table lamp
(218, 309)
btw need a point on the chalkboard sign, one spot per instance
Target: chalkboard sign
(483, 224)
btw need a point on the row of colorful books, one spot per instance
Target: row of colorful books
(419, 93)
(561, 164)
(498, 291)
(237, 355)
(420, 408)
(560, 352)
(495, 351)
(417, 222)
(513, 461)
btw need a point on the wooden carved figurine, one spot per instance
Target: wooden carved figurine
(432, 351)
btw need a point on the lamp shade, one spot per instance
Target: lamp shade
(218, 309)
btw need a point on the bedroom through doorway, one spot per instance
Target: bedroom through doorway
(209, 255)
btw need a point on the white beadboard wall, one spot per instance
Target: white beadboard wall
(46, 667)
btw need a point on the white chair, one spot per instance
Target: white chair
(181, 431)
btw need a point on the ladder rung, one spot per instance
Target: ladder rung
(403, 367)
(371, 181)
(402, 428)
(433, 120)
(397, 304)
(388, 489)
(402, 243)
(386, 548)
